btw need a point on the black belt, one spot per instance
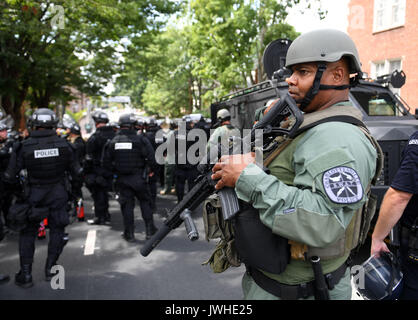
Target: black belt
(293, 292)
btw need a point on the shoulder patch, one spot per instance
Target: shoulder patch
(342, 185)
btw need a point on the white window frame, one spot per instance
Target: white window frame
(386, 70)
(386, 9)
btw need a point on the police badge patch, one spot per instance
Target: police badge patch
(342, 185)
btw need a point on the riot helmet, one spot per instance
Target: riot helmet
(380, 277)
(75, 129)
(323, 46)
(44, 118)
(127, 120)
(100, 117)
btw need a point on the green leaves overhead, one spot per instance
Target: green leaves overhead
(48, 47)
(217, 46)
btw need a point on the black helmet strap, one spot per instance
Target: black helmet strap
(316, 86)
(313, 91)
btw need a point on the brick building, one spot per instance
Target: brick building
(385, 32)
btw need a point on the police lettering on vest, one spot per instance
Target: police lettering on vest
(46, 153)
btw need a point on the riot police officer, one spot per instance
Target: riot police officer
(43, 152)
(399, 211)
(5, 149)
(76, 184)
(128, 155)
(186, 167)
(224, 130)
(99, 180)
(4, 160)
(151, 129)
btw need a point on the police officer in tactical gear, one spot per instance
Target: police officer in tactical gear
(46, 159)
(5, 150)
(399, 212)
(186, 168)
(318, 183)
(224, 130)
(128, 155)
(99, 180)
(4, 160)
(151, 129)
(76, 184)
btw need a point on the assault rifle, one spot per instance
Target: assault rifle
(271, 125)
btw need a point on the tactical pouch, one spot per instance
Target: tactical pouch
(18, 216)
(369, 210)
(211, 217)
(257, 245)
(38, 214)
(225, 254)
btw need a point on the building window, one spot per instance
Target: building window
(388, 14)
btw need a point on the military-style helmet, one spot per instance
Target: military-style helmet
(323, 46)
(100, 117)
(127, 120)
(44, 118)
(380, 278)
(223, 115)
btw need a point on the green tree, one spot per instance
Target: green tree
(48, 47)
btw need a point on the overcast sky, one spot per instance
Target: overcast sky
(337, 17)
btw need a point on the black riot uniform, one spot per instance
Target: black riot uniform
(5, 188)
(4, 160)
(151, 130)
(186, 167)
(406, 180)
(46, 158)
(128, 154)
(76, 184)
(97, 178)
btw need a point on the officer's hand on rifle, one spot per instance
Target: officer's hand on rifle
(229, 168)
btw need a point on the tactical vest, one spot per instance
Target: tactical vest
(128, 153)
(96, 144)
(46, 158)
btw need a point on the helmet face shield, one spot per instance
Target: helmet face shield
(44, 118)
(381, 278)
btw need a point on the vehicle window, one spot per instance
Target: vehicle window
(376, 104)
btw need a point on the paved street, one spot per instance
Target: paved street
(111, 268)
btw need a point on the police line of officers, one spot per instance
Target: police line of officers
(43, 173)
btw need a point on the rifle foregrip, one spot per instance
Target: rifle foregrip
(229, 202)
(154, 240)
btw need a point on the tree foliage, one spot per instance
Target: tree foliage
(217, 48)
(48, 47)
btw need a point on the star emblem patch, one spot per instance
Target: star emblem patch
(342, 185)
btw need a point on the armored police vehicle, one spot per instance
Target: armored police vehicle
(389, 119)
